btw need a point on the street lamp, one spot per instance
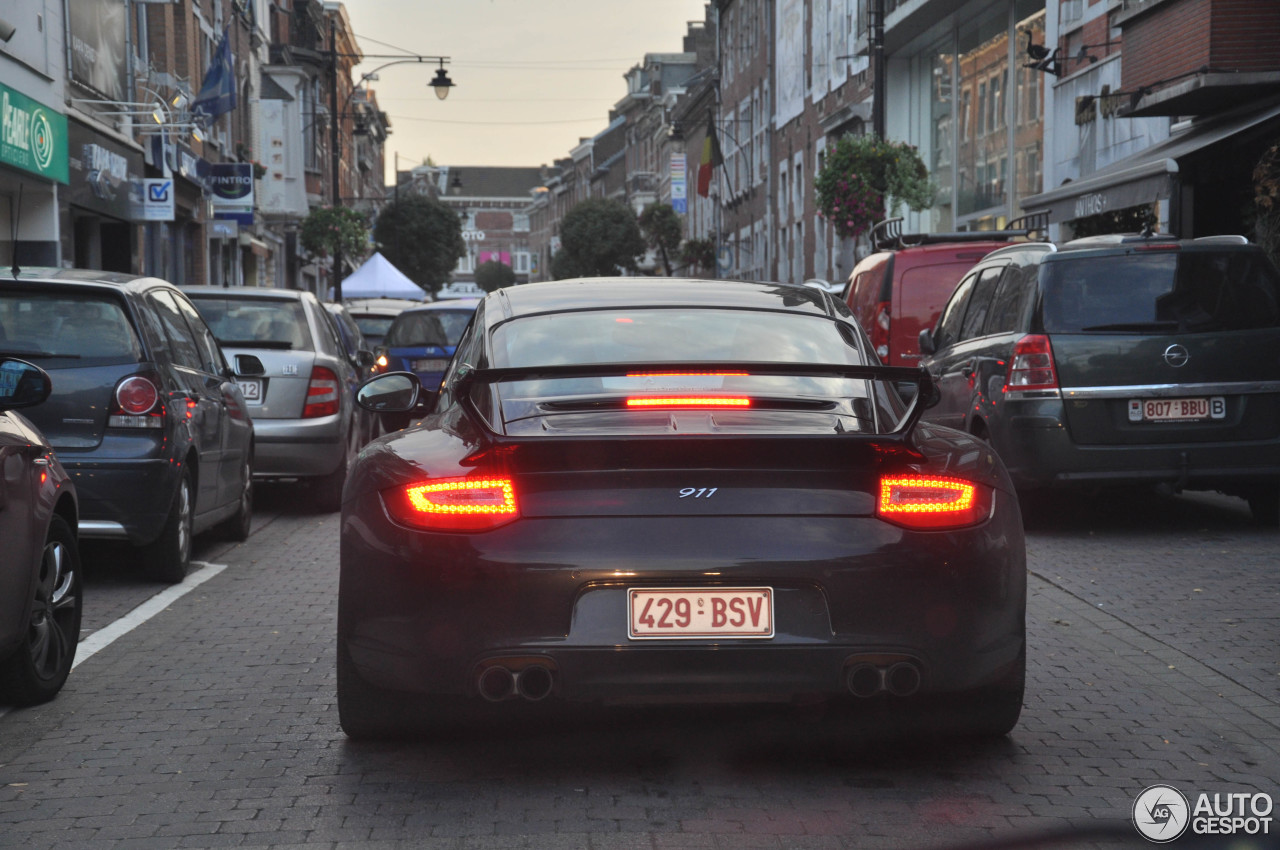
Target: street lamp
(441, 83)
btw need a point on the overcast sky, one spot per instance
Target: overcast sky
(532, 76)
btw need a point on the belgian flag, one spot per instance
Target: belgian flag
(711, 157)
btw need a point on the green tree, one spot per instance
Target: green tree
(325, 229)
(598, 238)
(494, 274)
(423, 238)
(699, 255)
(864, 175)
(662, 231)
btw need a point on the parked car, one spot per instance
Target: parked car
(1119, 360)
(362, 361)
(145, 415)
(374, 315)
(666, 490)
(898, 290)
(303, 403)
(41, 594)
(422, 340)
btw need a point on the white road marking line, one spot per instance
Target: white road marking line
(107, 635)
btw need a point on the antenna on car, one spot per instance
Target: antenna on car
(14, 214)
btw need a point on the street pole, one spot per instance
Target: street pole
(335, 150)
(879, 81)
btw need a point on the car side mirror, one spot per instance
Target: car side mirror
(248, 366)
(926, 342)
(22, 384)
(394, 392)
(365, 358)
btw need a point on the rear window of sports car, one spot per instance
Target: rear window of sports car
(677, 335)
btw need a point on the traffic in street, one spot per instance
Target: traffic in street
(205, 716)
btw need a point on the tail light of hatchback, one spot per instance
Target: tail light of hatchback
(880, 331)
(136, 404)
(932, 502)
(453, 504)
(322, 393)
(1031, 366)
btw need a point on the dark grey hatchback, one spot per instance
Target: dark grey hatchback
(145, 413)
(1119, 360)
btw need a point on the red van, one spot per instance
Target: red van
(900, 289)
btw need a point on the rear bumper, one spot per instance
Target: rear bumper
(123, 499)
(429, 613)
(1034, 442)
(296, 448)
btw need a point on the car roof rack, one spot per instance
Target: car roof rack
(887, 235)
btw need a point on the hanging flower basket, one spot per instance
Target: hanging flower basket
(865, 175)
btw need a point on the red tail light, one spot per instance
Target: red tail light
(880, 331)
(454, 504)
(689, 401)
(322, 393)
(1031, 366)
(137, 404)
(931, 502)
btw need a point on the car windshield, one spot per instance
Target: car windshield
(42, 326)
(428, 327)
(256, 322)
(1161, 292)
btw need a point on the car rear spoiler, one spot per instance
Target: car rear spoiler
(887, 235)
(925, 396)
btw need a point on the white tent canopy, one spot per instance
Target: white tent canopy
(377, 278)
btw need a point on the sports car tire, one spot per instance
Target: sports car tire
(992, 711)
(369, 713)
(38, 667)
(168, 557)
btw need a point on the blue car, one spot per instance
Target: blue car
(422, 339)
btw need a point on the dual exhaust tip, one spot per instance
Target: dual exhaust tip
(901, 679)
(532, 682)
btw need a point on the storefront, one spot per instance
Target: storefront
(973, 108)
(174, 250)
(1197, 182)
(33, 162)
(99, 229)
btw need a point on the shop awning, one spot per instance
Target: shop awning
(1143, 178)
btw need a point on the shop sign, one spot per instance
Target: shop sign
(32, 136)
(679, 183)
(157, 199)
(105, 175)
(231, 184)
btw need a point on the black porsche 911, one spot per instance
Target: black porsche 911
(638, 491)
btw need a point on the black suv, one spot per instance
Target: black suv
(1119, 360)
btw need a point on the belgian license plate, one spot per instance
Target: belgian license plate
(433, 365)
(252, 390)
(1177, 409)
(677, 612)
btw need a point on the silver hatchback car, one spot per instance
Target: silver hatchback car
(305, 419)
